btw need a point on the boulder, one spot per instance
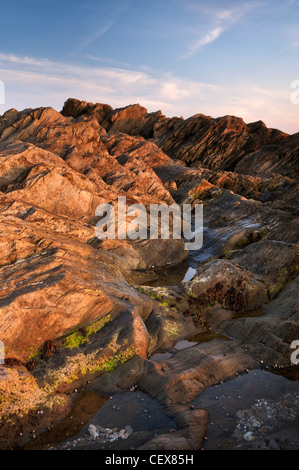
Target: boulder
(226, 284)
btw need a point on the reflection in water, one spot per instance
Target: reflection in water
(162, 355)
(145, 415)
(207, 336)
(162, 277)
(246, 409)
(190, 274)
(249, 313)
(84, 407)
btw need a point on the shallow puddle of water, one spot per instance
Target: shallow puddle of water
(84, 407)
(143, 414)
(163, 355)
(250, 313)
(207, 336)
(184, 344)
(246, 409)
(169, 276)
(190, 274)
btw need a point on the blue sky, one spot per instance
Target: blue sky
(183, 57)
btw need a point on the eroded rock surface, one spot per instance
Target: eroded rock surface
(75, 311)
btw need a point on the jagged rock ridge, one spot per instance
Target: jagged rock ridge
(70, 306)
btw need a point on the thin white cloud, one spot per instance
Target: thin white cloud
(177, 90)
(103, 60)
(30, 82)
(33, 82)
(217, 22)
(171, 91)
(23, 60)
(101, 23)
(262, 91)
(209, 37)
(92, 37)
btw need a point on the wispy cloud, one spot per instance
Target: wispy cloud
(217, 21)
(209, 37)
(178, 90)
(34, 82)
(92, 37)
(105, 60)
(12, 58)
(30, 80)
(103, 19)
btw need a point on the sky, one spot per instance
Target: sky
(182, 57)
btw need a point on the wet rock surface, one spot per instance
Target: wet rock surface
(104, 317)
(258, 410)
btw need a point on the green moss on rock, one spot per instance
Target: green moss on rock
(77, 338)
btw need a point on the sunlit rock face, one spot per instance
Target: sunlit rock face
(73, 307)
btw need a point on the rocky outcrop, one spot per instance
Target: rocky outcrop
(60, 289)
(131, 120)
(228, 285)
(269, 337)
(203, 141)
(67, 170)
(73, 307)
(217, 144)
(76, 108)
(275, 158)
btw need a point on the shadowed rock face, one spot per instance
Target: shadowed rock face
(275, 158)
(202, 141)
(70, 305)
(218, 144)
